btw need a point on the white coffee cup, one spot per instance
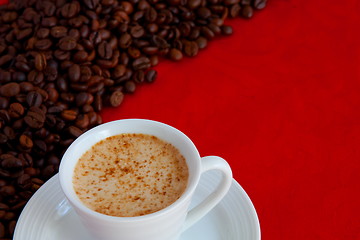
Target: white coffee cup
(166, 224)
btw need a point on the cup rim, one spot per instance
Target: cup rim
(76, 202)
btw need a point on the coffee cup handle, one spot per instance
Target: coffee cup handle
(211, 163)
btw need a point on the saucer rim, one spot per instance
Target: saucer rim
(235, 187)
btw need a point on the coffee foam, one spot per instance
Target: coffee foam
(130, 175)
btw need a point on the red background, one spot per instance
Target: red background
(280, 101)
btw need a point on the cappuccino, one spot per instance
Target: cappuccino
(130, 175)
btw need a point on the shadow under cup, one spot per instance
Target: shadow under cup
(165, 224)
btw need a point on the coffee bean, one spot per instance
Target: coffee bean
(226, 30)
(10, 89)
(175, 54)
(150, 76)
(82, 121)
(35, 118)
(67, 43)
(192, 4)
(116, 98)
(11, 162)
(24, 33)
(91, 4)
(137, 31)
(104, 50)
(5, 59)
(25, 141)
(74, 72)
(125, 40)
(2, 228)
(191, 48)
(68, 115)
(58, 31)
(43, 33)
(40, 62)
(4, 103)
(43, 44)
(130, 86)
(201, 42)
(69, 10)
(49, 8)
(141, 63)
(49, 22)
(74, 131)
(16, 110)
(259, 4)
(247, 11)
(34, 98)
(154, 60)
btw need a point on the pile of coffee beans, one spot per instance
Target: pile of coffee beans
(62, 61)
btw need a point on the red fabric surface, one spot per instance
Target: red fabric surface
(279, 100)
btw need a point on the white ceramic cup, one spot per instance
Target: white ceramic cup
(166, 224)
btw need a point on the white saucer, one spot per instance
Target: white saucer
(48, 216)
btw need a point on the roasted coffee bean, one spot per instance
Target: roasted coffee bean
(137, 31)
(201, 42)
(10, 89)
(22, 66)
(130, 86)
(125, 40)
(16, 110)
(5, 76)
(175, 54)
(91, 4)
(259, 4)
(118, 71)
(82, 98)
(150, 14)
(34, 98)
(226, 30)
(2, 227)
(43, 44)
(49, 22)
(247, 11)
(74, 72)
(24, 181)
(25, 142)
(5, 59)
(43, 33)
(49, 8)
(191, 48)
(245, 2)
(80, 56)
(24, 33)
(105, 50)
(138, 76)
(67, 43)
(69, 10)
(150, 76)
(74, 131)
(82, 121)
(192, 4)
(40, 62)
(35, 118)
(58, 31)
(4, 103)
(18, 76)
(116, 98)
(141, 63)
(68, 115)
(154, 60)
